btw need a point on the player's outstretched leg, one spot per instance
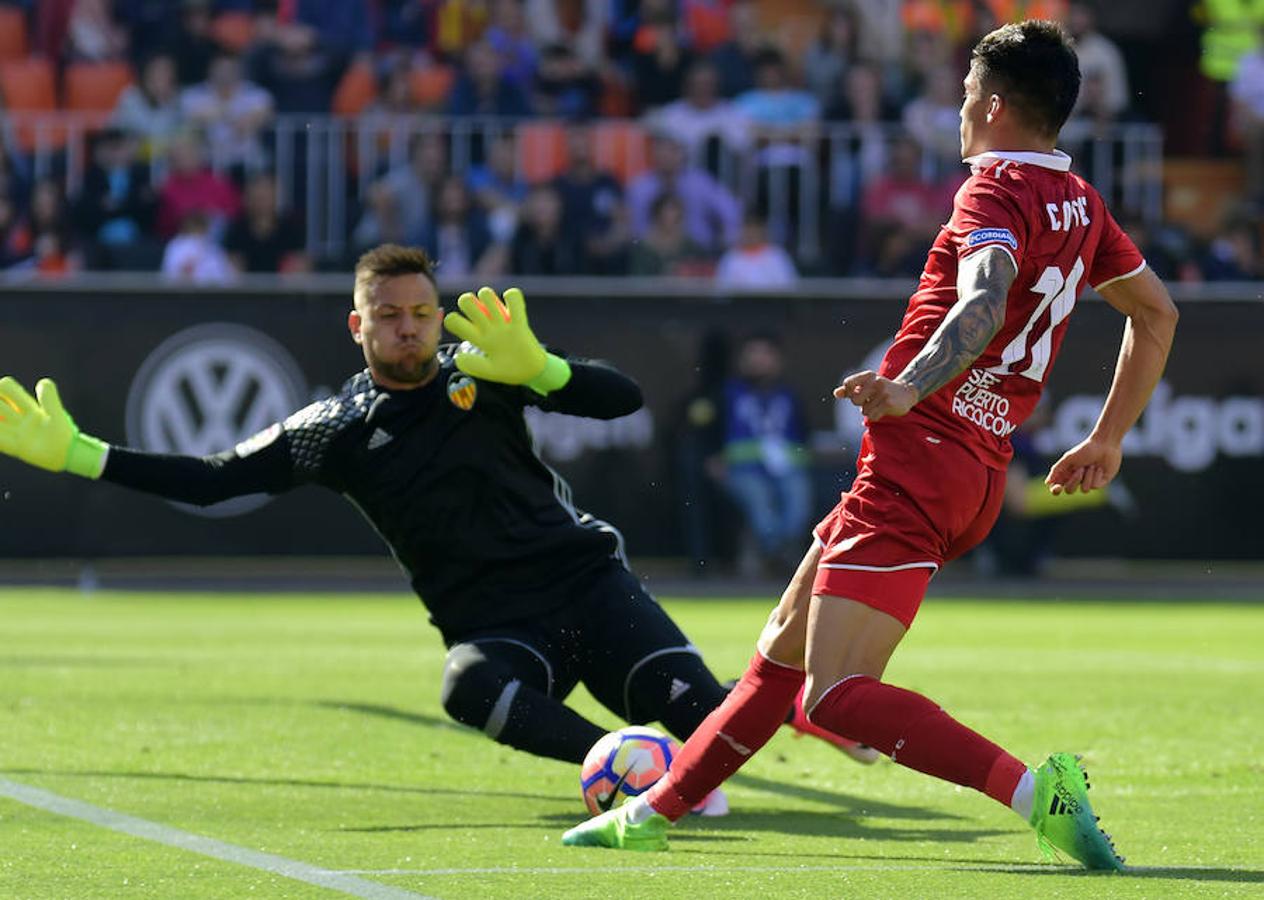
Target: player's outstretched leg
(799, 722)
(1063, 818)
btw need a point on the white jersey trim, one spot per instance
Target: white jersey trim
(900, 568)
(1135, 272)
(1057, 160)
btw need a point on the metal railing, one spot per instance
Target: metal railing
(326, 164)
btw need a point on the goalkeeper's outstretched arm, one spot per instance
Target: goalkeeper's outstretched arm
(38, 430)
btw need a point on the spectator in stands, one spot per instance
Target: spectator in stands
(414, 185)
(381, 222)
(93, 35)
(298, 64)
(735, 58)
(265, 238)
(342, 28)
(774, 103)
(405, 23)
(150, 25)
(14, 182)
(508, 36)
(192, 186)
(496, 187)
(933, 117)
(564, 88)
(1247, 93)
(482, 89)
(666, 248)
(541, 246)
(395, 96)
(192, 45)
(659, 61)
(592, 206)
(116, 204)
(766, 456)
(1234, 255)
(193, 256)
(902, 213)
(713, 215)
(51, 243)
(755, 263)
(1099, 55)
(232, 111)
(854, 162)
(150, 110)
(703, 121)
(827, 59)
(579, 24)
(15, 236)
(458, 237)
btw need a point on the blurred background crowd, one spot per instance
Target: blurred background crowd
(748, 141)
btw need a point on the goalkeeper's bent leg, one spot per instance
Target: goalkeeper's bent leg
(496, 687)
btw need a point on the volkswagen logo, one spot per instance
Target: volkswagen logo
(208, 388)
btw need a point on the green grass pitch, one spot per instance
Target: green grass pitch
(309, 727)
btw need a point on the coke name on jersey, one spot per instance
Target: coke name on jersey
(976, 402)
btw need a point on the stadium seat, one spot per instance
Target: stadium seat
(432, 85)
(28, 87)
(621, 148)
(356, 90)
(541, 150)
(95, 87)
(233, 30)
(13, 42)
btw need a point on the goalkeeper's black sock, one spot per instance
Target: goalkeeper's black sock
(541, 725)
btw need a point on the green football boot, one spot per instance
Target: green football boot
(612, 829)
(1063, 818)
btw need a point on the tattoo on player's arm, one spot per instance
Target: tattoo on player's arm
(983, 281)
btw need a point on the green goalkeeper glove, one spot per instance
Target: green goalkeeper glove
(41, 432)
(510, 352)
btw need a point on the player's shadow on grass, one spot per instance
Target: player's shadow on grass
(846, 804)
(1169, 873)
(388, 712)
(420, 790)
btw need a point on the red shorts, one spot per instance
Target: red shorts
(918, 501)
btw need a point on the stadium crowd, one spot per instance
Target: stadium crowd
(184, 174)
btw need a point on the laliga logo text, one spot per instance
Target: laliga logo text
(1187, 431)
(207, 388)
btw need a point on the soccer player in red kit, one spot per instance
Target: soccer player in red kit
(966, 368)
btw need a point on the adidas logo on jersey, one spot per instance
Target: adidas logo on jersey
(677, 688)
(379, 438)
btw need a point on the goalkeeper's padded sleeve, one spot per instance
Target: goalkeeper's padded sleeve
(594, 389)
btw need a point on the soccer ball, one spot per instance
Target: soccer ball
(624, 762)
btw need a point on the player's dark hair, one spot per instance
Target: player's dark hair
(1033, 66)
(391, 260)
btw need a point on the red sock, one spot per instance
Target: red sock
(748, 717)
(915, 732)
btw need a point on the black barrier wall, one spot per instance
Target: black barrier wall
(198, 372)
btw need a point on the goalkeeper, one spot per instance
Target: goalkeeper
(531, 595)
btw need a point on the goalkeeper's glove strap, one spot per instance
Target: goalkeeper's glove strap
(86, 456)
(555, 375)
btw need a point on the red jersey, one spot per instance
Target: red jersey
(1061, 237)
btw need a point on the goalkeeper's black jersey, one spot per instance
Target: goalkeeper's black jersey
(446, 473)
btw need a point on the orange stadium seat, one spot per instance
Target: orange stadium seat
(432, 85)
(233, 30)
(621, 148)
(356, 90)
(95, 87)
(28, 87)
(13, 43)
(541, 150)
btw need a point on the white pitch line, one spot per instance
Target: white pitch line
(346, 882)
